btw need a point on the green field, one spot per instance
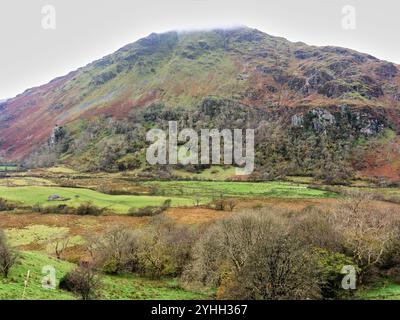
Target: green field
(113, 287)
(209, 189)
(385, 291)
(7, 168)
(119, 203)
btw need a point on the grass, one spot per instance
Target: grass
(25, 181)
(385, 291)
(60, 169)
(40, 235)
(7, 168)
(133, 287)
(33, 233)
(236, 189)
(31, 195)
(13, 286)
(213, 173)
(113, 287)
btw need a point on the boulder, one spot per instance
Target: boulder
(54, 197)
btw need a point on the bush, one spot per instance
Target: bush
(254, 256)
(224, 204)
(82, 281)
(58, 209)
(165, 248)
(160, 249)
(116, 250)
(7, 256)
(6, 205)
(89, 209)
(330, 265)
(150, 211)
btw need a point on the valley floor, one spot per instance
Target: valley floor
(32, 233)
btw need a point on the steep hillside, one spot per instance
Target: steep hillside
(242, 66)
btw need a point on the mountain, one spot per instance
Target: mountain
(243, 67)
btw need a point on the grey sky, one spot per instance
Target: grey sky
(89, 29)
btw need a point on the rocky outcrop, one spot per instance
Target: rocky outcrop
(386, 71)
(363, 122)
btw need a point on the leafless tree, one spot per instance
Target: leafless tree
(7, 256)
(60, 244)
(83, 281)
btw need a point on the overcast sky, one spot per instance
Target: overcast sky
(90, 29)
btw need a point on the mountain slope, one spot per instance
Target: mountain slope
(182, 68)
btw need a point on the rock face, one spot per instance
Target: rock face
(317, 119)
(386, 71)
(180, 69)
(365, 122)
(57, 135)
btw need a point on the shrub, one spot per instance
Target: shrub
(253, 256)
(150, 211)
(330, 265)
(6, 205)
(58, 209)
(7, 256)
(281, 268)
(116, 250)
(165, 248)
(82, 281)
(160, 249)
(89, 209)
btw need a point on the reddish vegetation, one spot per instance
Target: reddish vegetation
(30, 121)
(384, 162)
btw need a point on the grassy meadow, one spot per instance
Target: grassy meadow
(215, 189)
(33, 195)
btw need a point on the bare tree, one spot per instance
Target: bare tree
(83, 281)
(253, 256)
(367, 228)
(7, 256)
(60, 244)
(115, 250)
(231, 204)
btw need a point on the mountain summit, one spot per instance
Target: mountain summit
(180, 69)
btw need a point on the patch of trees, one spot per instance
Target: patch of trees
(328, 152)
(266, 254)
(160, 249)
